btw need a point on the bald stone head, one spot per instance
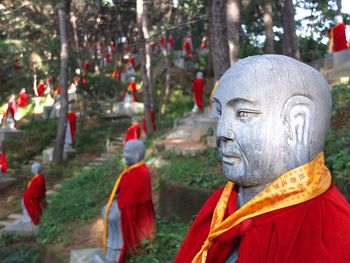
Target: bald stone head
(134, 152)
(36, 168)
(273, 115)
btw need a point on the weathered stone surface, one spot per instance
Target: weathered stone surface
(203, 127)
(89, 255)
(127, 108)
(47, 155)
(9, 132)
(179, 201)
(20, 228)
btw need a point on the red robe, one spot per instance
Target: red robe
(72, 120)
(23, 99)
(35, 191)
(144, 126)
(132, 88)
(41, 89)
(197, 86)
(317, 230)
(133, 132)
(339, 37)
(3, 161)
(137, 210)
(86, 67)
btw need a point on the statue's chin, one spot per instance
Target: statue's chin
(236, 173)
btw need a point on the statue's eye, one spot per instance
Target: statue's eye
(218, 112)
(243, 114)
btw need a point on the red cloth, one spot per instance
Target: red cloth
(339, 37)
(41, 89)
(203, 45)
(187, 46)
(72, 120)
(86, 66)
(108, 58)
(131, 61)
(132, 88)
(32, 195)
(144, 126)
(170, 42)
(198, 86)
(133, 132)
(317, 230)
(137, 210)
(3, 161)
(23, 99)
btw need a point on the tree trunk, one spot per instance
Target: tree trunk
(62, 121)
(290, 45)
(233, 28)
(219, 43)
(268, 25)
(145, 62)
(339, 7)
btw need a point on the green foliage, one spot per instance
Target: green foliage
(37, 135)
(103, 85)
(200, 171)
(168, 239)
(338, 142)
(79, 200)
(341, 96)
(20, 254)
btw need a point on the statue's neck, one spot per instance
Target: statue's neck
(245, 194)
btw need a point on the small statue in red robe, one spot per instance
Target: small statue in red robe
(34, 197)
(3, 161)
(131, 91)
(197, 87)
(129, 216)
(144, 123)
(9, 118)
(41, 88)
(23, 99)
(337, 35)
(133, 132)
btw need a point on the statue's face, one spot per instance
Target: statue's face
(134, 151)
(250, 130)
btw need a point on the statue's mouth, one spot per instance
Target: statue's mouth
(230, 157)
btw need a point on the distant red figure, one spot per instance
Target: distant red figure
(23, 99)
(41, 88)
(144, 126)
(131, 90)
(337, 36)
(133, 132)
(34, 197)
(72, 120)
(86, 66)
(197, 87)
(3, 160)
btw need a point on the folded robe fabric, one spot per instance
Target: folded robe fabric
(317, 230)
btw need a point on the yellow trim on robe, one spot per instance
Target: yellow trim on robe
(110, 200)
(295, 186)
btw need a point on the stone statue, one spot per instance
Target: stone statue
(34, 197)
(130, 212)
(273, 115)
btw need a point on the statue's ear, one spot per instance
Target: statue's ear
(298, 115)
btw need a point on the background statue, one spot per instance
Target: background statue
(279, 204)
(34, 197)
(129, 215)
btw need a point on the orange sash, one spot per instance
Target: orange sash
(295, 186)
(31, 180)
(110, 200)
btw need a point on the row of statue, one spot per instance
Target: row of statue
(279, 204)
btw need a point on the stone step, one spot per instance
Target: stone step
(50, 192)
(15, 216)
(100, 159)
(38, 158)
(4, 223)
(57, 186)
